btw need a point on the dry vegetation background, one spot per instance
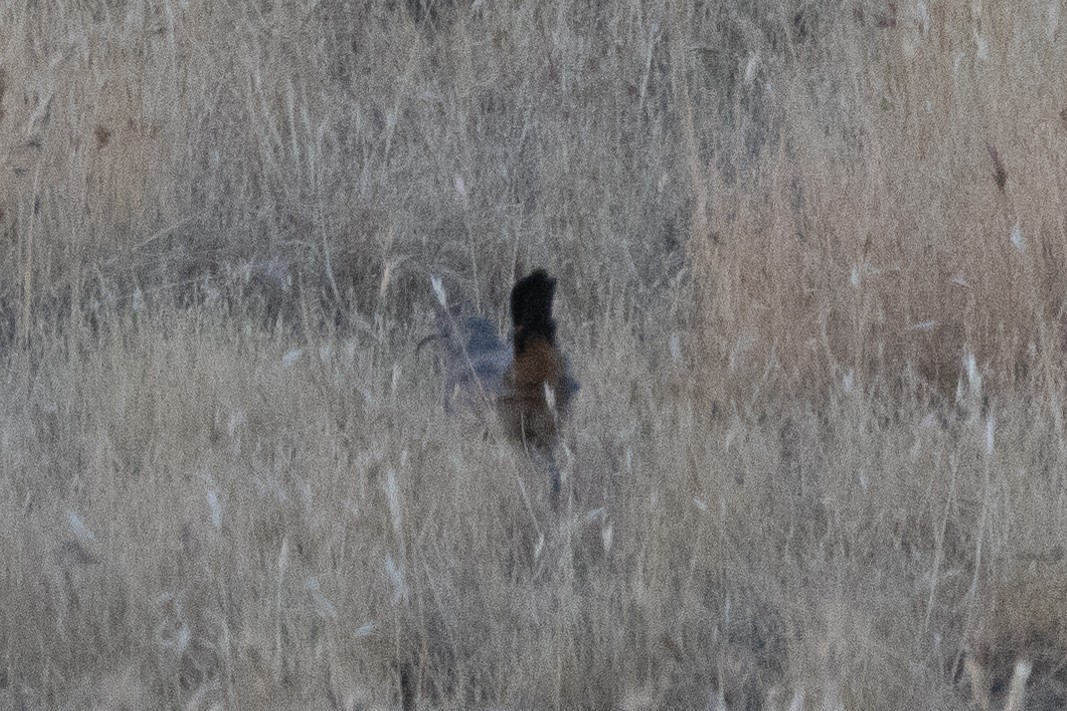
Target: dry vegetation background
(811, 262)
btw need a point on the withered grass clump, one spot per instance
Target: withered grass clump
(810, 273)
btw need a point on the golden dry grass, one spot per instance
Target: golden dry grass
(811, 267)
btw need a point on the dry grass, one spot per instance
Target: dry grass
(810, 265)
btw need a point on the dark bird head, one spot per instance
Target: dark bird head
(531, 309)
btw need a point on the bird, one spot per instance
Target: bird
(538, 387)
(529, 384)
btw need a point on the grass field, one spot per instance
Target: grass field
(811, 275)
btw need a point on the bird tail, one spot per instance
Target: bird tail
(531, 309)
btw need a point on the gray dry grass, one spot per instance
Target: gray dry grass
(811, 262)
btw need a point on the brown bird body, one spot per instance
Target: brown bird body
(530, 405)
